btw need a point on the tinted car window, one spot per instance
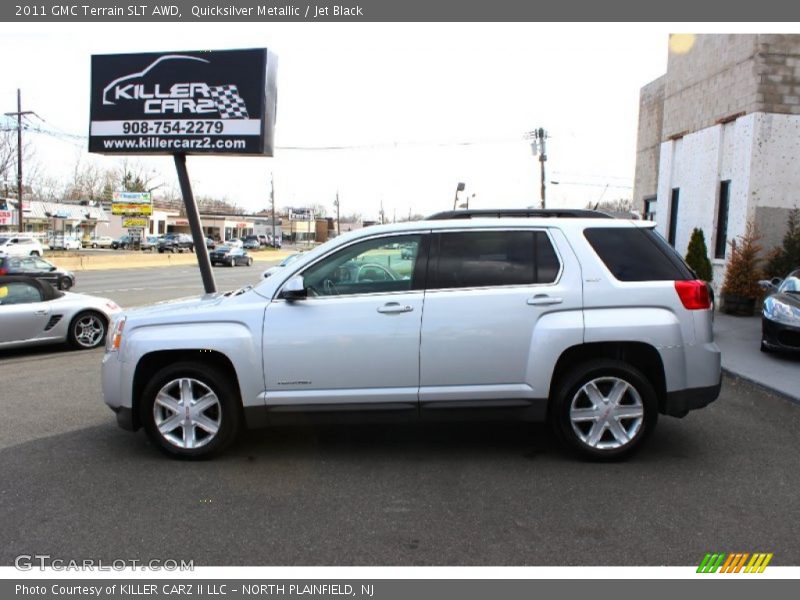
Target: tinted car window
(634, 254)
(494, 258)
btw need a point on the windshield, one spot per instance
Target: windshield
(790, 285)
(3, 240)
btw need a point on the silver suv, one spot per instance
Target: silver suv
(593, 324)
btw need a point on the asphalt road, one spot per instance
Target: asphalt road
(75, 486)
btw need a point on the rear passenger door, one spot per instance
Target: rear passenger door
(496, 300)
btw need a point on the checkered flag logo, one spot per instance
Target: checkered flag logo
(228, 101)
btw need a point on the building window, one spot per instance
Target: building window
(673, 216)
(722, 219)
(650, 205)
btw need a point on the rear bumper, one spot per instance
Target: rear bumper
(680, 402)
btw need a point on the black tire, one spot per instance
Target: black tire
(64, 283)
(605, 373)
(228, 411)
(79, 335)
(232, 262)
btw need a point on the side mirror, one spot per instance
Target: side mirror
(294, 289)
(777, 281)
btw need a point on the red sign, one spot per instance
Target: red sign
(6, 217)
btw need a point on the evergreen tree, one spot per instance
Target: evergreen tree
(786, 258)
(697, 255)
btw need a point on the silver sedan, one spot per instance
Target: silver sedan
(32, 312)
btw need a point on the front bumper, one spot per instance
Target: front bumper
(777, 336)
(680, 402)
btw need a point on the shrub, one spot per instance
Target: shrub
(786, 257)
(743, 273)
(697, 255)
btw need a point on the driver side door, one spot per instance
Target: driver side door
(353, 342)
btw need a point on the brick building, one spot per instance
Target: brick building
(719, 140)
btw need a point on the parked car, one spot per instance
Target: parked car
(104, 241)
(20, 245)
(64, 243)
(593, 324)
(32, 312)
(175, 242)
(233, 243)
(251, 242)
(34, 266)
(780, 317)
(149, 242)
(286, 261)
(263, 240)
(122, 243)
(225, 255)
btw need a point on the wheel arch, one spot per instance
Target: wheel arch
(639, 355)
(152, 362)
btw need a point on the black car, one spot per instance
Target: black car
(122, 243)
(33, 266)
(176, 242)
(226, 255)
(780, 320)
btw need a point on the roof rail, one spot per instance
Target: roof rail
(561, 213)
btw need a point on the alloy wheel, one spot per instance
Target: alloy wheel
(187, 413)
(88, 331)
(606, 413)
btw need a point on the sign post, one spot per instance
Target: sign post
(218, 102)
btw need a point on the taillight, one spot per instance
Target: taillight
(693, 294)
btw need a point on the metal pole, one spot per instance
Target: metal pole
(337, 213)
(19, 158)
(542, 134)
(193, 215)
(272, 203)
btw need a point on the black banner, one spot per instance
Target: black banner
(198, 102)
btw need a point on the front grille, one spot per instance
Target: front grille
(52, 322)
(789, 338)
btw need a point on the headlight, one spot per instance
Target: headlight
(114, 339)
(777, 311)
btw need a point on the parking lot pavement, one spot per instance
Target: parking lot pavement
(75, 486)
(739, 339)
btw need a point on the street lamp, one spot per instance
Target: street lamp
(459, 188)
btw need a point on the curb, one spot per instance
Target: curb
(762, 386)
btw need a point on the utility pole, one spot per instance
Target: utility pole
(272, 203)
(538, 145)
(336, 204)
(19, 114)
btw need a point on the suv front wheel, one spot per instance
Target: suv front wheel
(190, 412)
(604, 409)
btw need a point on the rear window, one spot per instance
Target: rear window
(635, 254)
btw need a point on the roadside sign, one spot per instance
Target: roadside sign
(196, 102)
(6, 217)
(134, 223)
(132, 204)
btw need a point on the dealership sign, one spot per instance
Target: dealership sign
(6, 217)
(135, 222)
(204, 102)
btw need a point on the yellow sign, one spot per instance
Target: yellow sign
(125, 208)
(134, 222)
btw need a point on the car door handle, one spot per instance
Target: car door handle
(40, 312)
(392, 308)
(544, 300)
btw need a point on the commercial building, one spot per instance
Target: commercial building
(719, 140)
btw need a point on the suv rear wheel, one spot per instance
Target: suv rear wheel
(604, 409)
(190, 411)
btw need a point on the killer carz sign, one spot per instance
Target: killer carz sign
(199, 102)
